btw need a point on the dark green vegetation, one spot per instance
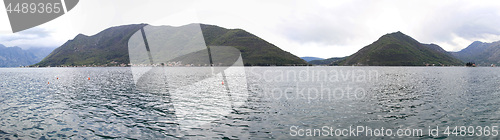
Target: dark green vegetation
(221, 56)
(109, 48)
(15, 56)
(398, 49)
(330, 61)
(309, 59)
(483, 54)
(254, 50)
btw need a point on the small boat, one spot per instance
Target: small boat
(470, 64)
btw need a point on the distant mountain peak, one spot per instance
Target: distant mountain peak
(475, 42)
(310, 58)
(480, 53)
(396, 33)
(16, 56)
(80, 36)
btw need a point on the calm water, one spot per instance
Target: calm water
(278, 101)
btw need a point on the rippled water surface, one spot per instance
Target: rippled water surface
(57, 103)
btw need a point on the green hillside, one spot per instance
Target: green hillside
(254, 50)
(398, 49)
(109, 47)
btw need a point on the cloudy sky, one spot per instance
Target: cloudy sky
(322, 28)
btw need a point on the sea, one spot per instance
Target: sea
(250, 103)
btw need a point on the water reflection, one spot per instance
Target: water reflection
(112, 105)
(201, 83)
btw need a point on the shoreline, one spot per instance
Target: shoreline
(257, 66)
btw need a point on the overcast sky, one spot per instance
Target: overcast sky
(321, 28)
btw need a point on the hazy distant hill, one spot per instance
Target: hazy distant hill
(480, 53)
(109, 47)
(15, 56)
(40, 53)
(329, 61)
(308, 59)
(398, 49)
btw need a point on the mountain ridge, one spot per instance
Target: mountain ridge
(398, 49)
(103, 48)
(109, 47)
(17, 57)
(481, 53)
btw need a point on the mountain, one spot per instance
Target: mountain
(254, 50)
(398, 49)
(109, 47)
(15, 56)
(480, 53)
(309, 59)
(329, 61)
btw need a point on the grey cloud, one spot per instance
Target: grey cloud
(468, 23)
(328, 26)
(441, 22)
(480, 22)
(32, 33)
(39, 32)
(34, 37)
